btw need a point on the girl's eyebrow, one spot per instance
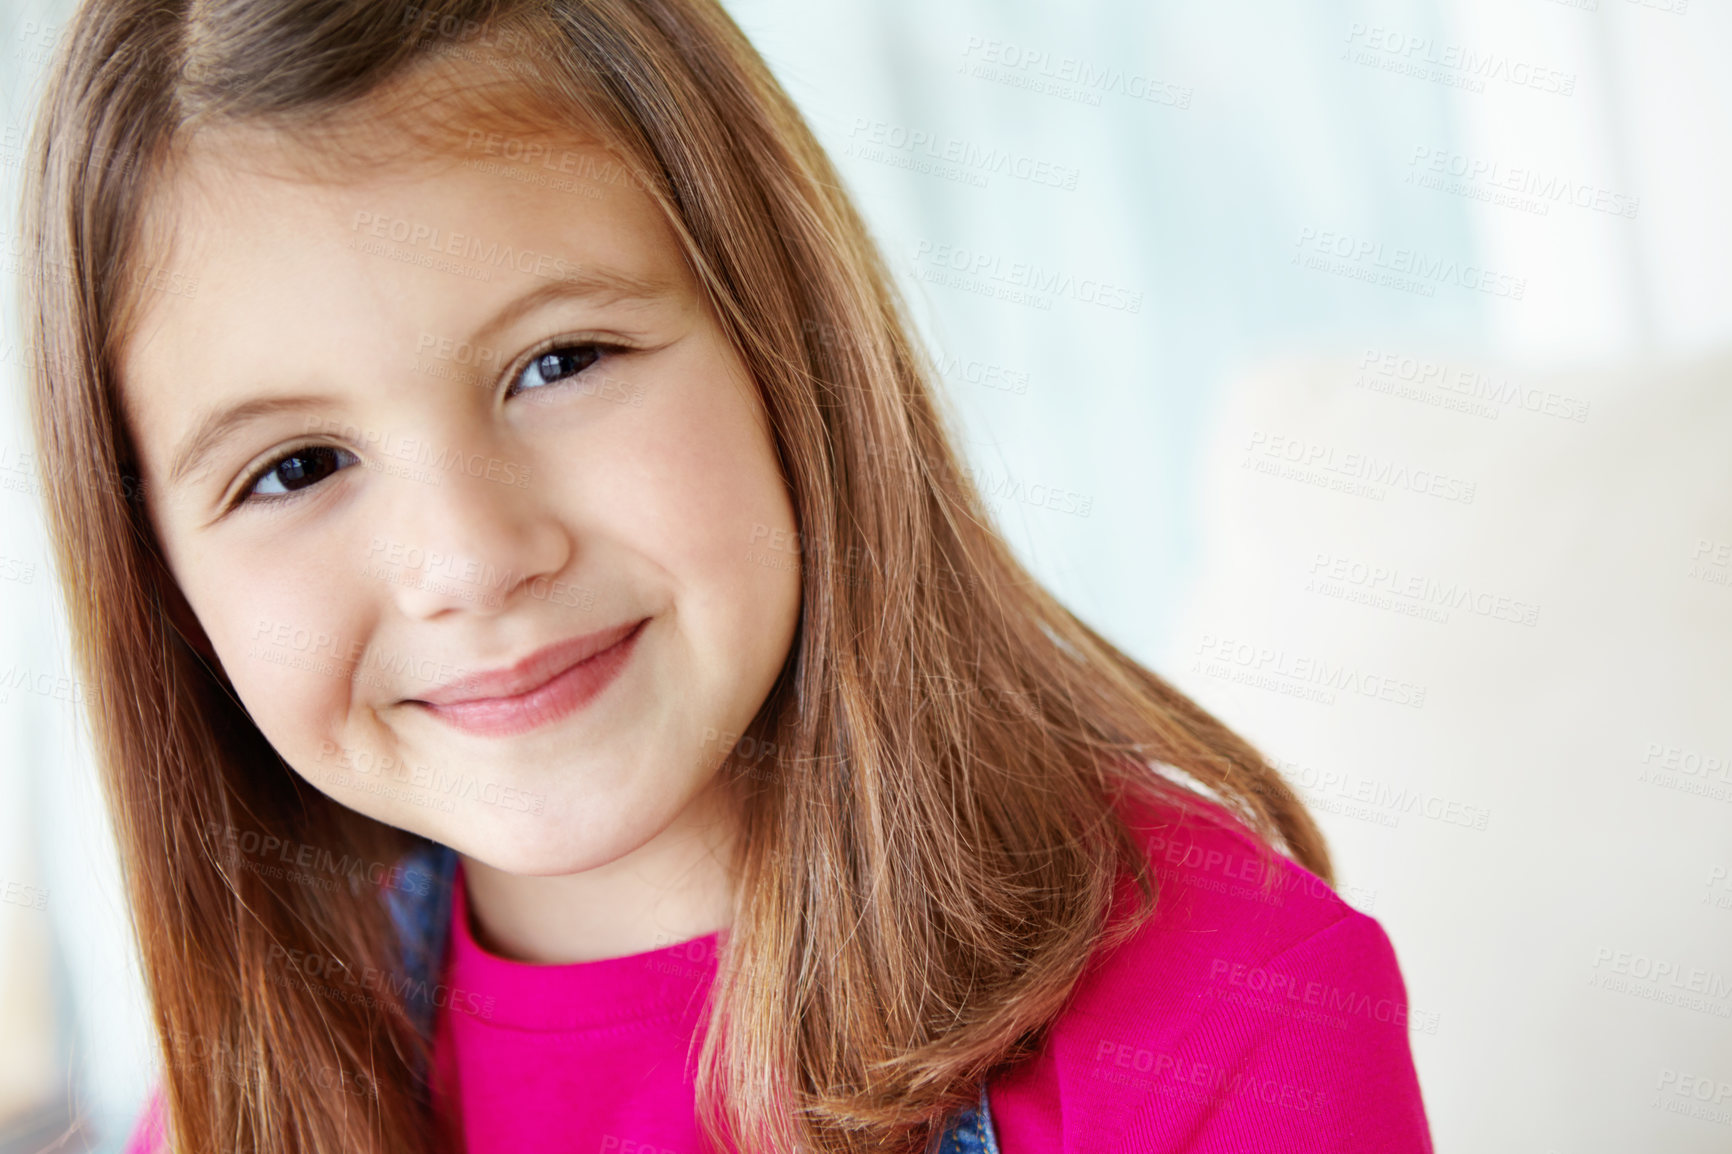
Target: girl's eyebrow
(218, 423)
(606, 285)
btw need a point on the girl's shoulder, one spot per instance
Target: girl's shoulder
(1217, 876)
(1227, 905)
(1254, 1010)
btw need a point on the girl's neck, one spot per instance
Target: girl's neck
(675, 887)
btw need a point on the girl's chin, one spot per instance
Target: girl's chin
(540, 847)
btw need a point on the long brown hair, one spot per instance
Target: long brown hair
(934, 837)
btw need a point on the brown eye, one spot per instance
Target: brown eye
(555, 365)
(299, 469)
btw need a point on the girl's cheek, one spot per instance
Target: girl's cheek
(723, 487)
(298, 666)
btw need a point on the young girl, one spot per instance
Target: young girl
(555, 684)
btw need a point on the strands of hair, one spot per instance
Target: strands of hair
(933, 856)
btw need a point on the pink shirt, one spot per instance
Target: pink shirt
(1233, 1021)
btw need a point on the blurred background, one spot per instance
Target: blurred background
(1366, 370)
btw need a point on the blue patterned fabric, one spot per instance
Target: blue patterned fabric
(421, 910)
(970, 1130)
(420, 907)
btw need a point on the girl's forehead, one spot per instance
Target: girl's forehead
(442, 124)
(251, 204)
(337, 153)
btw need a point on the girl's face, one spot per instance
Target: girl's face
(475, 503)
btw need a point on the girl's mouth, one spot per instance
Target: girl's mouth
(549, 684)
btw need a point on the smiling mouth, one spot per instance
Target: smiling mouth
(539, 690)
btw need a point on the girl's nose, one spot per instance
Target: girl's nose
(471, 534)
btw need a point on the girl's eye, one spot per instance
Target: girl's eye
(303, 468)
(298, 469)
(556, 364)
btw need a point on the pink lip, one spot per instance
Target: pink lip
(542, 688)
